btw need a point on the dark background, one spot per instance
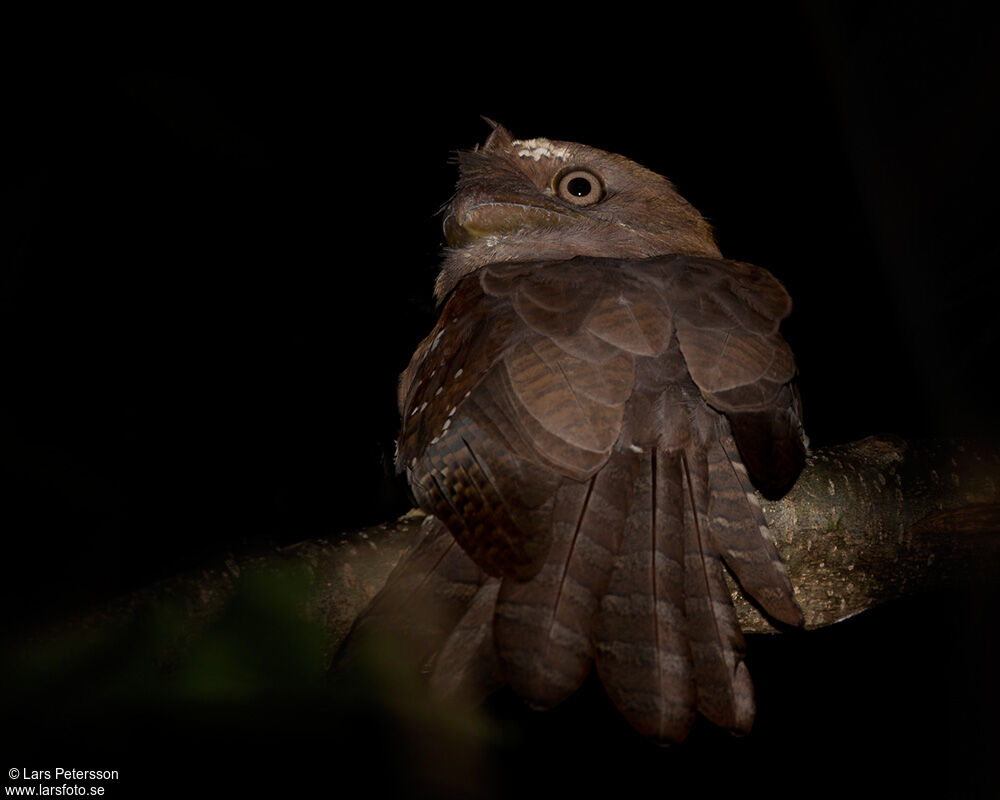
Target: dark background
(214, 269)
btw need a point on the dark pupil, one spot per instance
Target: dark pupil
(578, 187)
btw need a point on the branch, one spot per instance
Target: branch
(866, 523)
(881, 519)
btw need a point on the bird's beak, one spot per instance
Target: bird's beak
(474, 215)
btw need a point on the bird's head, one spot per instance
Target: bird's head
(537, 200)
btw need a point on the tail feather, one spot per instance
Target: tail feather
(423, 599)
(542, 626)
(741, 535)
(642, 650)
(724, 689)
(634, 582)
(467, 666)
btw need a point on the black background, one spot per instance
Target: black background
(215, 268)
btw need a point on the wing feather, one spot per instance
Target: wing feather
(578, 427)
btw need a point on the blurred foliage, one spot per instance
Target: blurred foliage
(244, 700)
(251, 684)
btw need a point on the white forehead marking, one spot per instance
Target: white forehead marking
(537, 148)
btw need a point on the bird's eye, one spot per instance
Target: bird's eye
(580, 187)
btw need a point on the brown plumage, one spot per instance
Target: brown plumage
(577, 425)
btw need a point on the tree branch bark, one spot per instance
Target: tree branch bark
(866, 523)
(881, 519)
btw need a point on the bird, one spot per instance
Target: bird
(585, 427)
